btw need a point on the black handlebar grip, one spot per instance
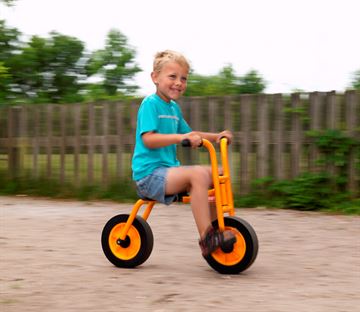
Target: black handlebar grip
(186, 143)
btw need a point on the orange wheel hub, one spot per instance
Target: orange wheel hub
(236, 255)
(131, 250)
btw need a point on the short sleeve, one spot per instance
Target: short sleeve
(147, 118)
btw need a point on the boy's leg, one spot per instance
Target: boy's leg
(213, 213)
(197, 180)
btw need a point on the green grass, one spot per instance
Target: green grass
(28, 169)
(121, 191)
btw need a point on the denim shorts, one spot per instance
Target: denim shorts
(153, 187)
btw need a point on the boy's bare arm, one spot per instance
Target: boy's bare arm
(157, 140)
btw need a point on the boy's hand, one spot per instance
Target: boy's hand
(194, 138)
(227, 134)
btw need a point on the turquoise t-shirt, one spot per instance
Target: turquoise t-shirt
(159, 116)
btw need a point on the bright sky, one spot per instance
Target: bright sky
(313, 45)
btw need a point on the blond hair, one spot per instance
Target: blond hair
(161, 58)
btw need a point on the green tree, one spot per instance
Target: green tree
(4, 83)
(114, 65)
(199, 85)
(49, 69)
(228, 81)
(67, 68)
(251, 83)
(9, 41)
(56, 69)
(224, 83)
(10, 45)
(356, 80)
(7, 2)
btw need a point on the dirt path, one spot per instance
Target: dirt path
(51, 260)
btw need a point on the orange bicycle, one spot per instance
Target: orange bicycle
(127, 239)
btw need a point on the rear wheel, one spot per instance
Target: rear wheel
(239, 256)
(135, 249)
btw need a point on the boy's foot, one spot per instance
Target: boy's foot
(215, 239)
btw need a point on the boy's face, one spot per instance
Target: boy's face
(170, 81)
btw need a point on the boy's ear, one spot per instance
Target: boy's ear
(154, 77)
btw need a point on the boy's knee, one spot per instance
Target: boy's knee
(201, 174)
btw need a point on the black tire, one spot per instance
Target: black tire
(132, 251)
(242, 254)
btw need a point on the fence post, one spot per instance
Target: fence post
(90, 142)
(262, 161)
(279, 117)
(296, 137)
(332, 110)
(62, 142)
(49, 128)
(315, 101)
(212, 115)
(245, 150)
(13, 149)
(352, 101)
(119, 140)
(105, 143)
(77, 142)
(228, 125)
(331, 121)
(191, 112)
(35, 140)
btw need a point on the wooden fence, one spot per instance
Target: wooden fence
(93, 143)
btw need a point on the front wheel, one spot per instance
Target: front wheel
(241, 254)
(134, 249)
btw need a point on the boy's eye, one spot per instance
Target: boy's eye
(174, 77)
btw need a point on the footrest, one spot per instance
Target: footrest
(183, 197)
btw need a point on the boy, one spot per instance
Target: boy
(156, 170)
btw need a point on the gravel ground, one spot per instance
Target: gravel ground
(51, 260)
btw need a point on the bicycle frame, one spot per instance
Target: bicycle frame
(222, 189)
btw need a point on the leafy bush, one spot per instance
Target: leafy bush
(309, 191)
(320, 190)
